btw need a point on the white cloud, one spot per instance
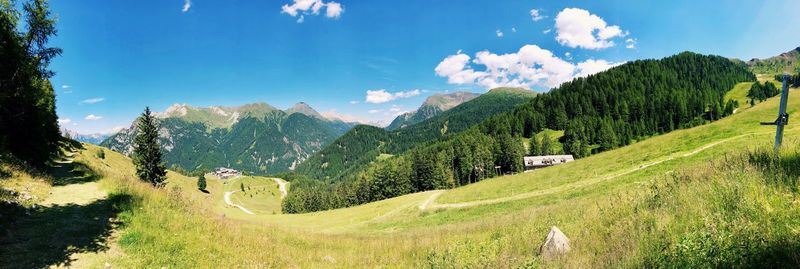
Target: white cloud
(569, 55)
(66, 88)
(374, 111)
(498, 33)
(354, 102)
(64, 121)
(187, 4)
(547, 31)
(93, 117)
(577, 27)
(93, 100)
(591, 66)
(631, 43)
(529, 67)
(514, 29)
(333, 9)
(382, 96)
(536, 15)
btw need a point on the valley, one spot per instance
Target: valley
(475, 134)
(502, 215)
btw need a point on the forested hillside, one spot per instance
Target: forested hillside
(601, 112)
(361, 146)
(254, 138)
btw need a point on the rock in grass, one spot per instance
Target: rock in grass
(556, 244)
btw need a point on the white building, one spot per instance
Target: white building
(533, 162)
(226, 173)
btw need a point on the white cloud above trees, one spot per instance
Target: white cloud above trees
(529, 67)
(577, 28)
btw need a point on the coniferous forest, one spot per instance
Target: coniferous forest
(597, 113)
(28, 120)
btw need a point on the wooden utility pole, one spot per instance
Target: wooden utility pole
(783, 117)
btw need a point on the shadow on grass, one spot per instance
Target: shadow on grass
(49, 235)
(65, 173)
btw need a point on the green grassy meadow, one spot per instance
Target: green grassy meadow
(710, 196)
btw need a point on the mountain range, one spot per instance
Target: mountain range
(95, 138)
(785, 62)
(432, 106)
(364, 144)
(255, 138)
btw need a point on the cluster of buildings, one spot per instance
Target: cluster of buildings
(226, 173)
(533, 162)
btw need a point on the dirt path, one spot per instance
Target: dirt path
(430, 203)
(281, 186)
(73, 227)
(227, 198)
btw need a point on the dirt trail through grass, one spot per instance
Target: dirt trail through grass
(430, 203)
(227, 198)
(70, 227)
(281, 186)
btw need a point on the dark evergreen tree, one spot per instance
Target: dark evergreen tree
(535, 146)
(147, 152)
(201, 182)
(28, 121)
(547, 145)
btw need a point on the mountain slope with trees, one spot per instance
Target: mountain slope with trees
(254, 138)
(601, 112)
(362, 145)
(433, 105)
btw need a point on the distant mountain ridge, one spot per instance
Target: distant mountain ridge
(363, 144)
(785, 62)
(95, 139)
(256, 138)
(432, 106)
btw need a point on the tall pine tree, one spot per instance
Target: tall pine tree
(535, 146)
(147, 152)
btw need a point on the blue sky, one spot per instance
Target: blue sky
(369, 60)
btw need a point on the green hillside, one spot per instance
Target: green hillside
(360, 146)
(602, 112)
(254, 138)
(700, 197)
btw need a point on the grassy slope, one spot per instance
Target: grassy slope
(604, 203)
(739, 93)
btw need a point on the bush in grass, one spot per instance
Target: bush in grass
(201, 182)
(100, 154)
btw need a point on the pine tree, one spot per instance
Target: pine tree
(147, 152)
(536, 147)
(28, 121)
(547, 145)
(201, 182)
